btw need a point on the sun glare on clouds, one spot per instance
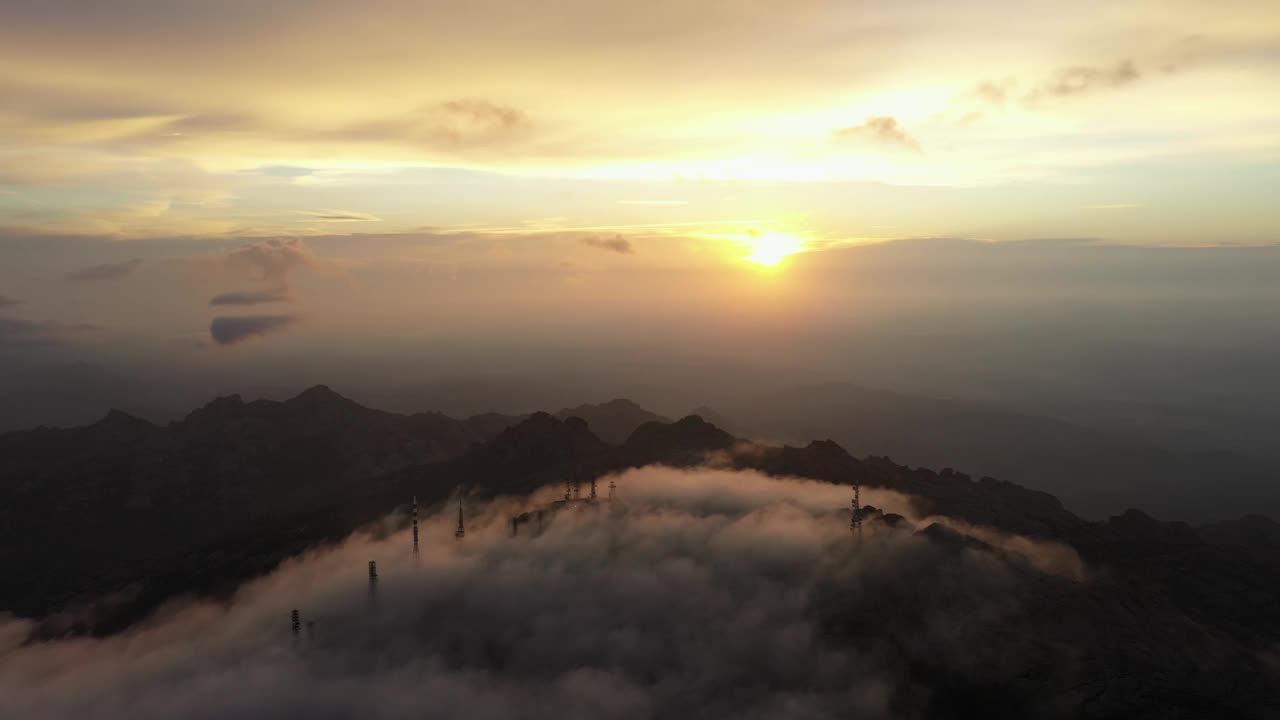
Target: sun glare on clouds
(769, 248)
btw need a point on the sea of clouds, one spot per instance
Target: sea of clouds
(693, 593)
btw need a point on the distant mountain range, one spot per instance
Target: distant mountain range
(105, 522)
(1096, 473)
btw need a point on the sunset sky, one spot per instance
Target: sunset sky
(395, 166)
(1152, 122)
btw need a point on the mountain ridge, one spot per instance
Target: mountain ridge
(1209, 591)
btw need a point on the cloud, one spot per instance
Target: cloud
(454, 125)
(250, 297)
(229, 330)
(994, 92)
(340, 216)
(28, 333)
(272, 260)
(106, 271)
(1115, 206)
(287, 171)
(879, 128)
(53, 104)
(483, 114)
(1064, 82)
(654, 202)
(696, 594)
(6, 301)
(1080, 79)
(617, 244)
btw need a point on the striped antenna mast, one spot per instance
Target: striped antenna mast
(414, 512)
(855, 521)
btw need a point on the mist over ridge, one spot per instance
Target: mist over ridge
(634, 607)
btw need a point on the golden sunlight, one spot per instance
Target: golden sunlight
(770, 248)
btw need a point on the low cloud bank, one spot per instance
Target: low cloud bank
(694, 593)
(250, 297)
(617, 244)
(233, 329)
(106, 271)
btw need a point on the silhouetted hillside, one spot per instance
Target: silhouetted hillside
(121, 498)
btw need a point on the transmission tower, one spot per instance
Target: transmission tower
(414, 512)
(855, 522)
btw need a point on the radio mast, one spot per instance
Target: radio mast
(855, 522)
(414, 511)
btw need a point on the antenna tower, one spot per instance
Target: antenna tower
(462, 530)
(855, 521)
(415, 525)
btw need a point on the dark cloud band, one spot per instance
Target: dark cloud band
(250, 297)
(617, 244)
(233, 329)
(106, 271)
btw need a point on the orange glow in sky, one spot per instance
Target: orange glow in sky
(770, 248)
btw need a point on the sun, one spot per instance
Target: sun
(769, 248)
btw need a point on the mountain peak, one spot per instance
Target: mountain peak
(612, 421)
(622, 403)
(541, 425)
(1138, 529)
(116, 418)
(827, 448)
(541, 439)
(319, 393)
(220, 406)
(687, 440)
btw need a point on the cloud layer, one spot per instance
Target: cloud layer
(229, 330)
(106, 271)
(617, 244)
(272, 260)
(882, 129)
(249, 297)
(694, 594)
(106, 131)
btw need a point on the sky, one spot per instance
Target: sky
(991, 199)
(828, 122)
